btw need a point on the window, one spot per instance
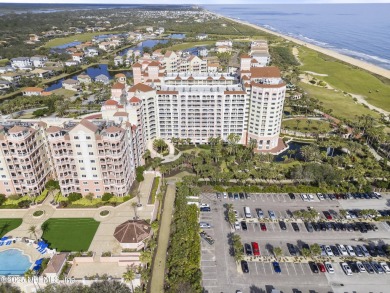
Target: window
(83, 176)
(76, 137)
(88, 137)
(79, 153)
(95, 176)
(85, 183)
(8, 190)
(2, 176)
(86, 190)
(5, 183)
(96, 183)
(82, 168)
(81, 161)
(97, 189)
(92, 161)
(89, 145)
(77, 145)
(93, 168)
(91, 153)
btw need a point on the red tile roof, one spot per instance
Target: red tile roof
(134, 100)
(271, 71)
(140, 87)
(110, 103)
(118, 86)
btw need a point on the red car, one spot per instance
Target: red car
(263, 227)
(328, 215)
(255, 248)
(321, 267)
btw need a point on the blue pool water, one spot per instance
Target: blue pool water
(13, 262)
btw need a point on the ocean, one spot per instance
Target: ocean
(361, 31)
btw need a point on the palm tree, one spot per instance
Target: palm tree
(315, 249)
(129, 276)
(33, 230)
(29, 274)
(277, 251)
(135, 205)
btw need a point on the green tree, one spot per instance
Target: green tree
(277, 251)
(306, 252)
(107, 196)
(72, 197)
(33, 231)
(315, 249)
(129, 276)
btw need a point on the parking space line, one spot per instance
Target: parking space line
(263, 268)
(256, 269)
(288, 272)
(295, 270)
(303, 272)
(272, 270)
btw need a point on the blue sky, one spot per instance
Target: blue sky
(195, 1)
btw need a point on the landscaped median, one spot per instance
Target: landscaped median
(18, 201)
(89, 201)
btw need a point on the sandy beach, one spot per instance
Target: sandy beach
(362, 64)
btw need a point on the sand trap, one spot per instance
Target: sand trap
(315, 73)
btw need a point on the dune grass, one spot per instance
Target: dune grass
(7, 225)
(69, 234)
(347, 77)
(188, 45)
(343, 106)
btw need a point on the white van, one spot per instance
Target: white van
(247, 212)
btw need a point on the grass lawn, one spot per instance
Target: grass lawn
(341, 105)
(69, 234)
(3, 62)
(64, 92)
(187, 45)
(347, 77)
(7, 225)
(78, 37)
(307, 127)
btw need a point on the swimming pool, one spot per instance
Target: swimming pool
(13, 262)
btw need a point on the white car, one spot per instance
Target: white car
(347, 270)
(204, 225)
(260, 213)
(237, 225)
(204, 205)
(342, 249)
(320, 196)
(236, 214)
(361, 267)
(304, 197)
(385, 267)
(311, 197)
(347, 215)
(323, 250)
(225, 195)
(328, 250)
(329, 267)
(350, 250)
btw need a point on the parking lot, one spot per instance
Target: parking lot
(221, 273)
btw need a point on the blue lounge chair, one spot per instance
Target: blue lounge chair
(8, 242)
(43, 251)
(1, 243)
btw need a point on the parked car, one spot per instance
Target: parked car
(204, 205)
(236, 197)
(291, 195)
(327, 215)
(347, 270)
(255, 248)
(377, 267)
(328, 250)
(291, 249)
(244, 266)
(329, 267)
(248, 249)
(342, 249)
(244, 226)
(358, 251)
(282, 225)
(368, 267)
(277, 268)
(364, 250)
(385, 267)
(205, 209)
(295, 226)
(335, 250)
(237, 225)
(260, 213)
(354, 267)
(313, 267)
(304, 197)
(204, 225)
(263, 227)
(320, 196)
(361, 267)
(309, 227)
(272, 215)
(350, 250)
(321, 267)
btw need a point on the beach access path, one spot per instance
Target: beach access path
(362, 64)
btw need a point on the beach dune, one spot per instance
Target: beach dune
(347, 59)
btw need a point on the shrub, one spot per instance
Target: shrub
(38, 213)
(24, 203)
(74, 196)
(52, 184)
(2, 199)
(15, 196)
(139, 171)
(104, 213)
(107, 196)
